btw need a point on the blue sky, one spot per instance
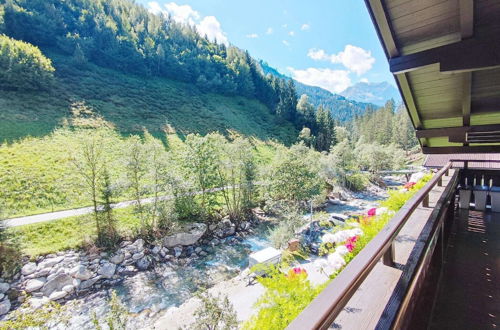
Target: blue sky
(327, 43)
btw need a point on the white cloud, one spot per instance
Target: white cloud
(252, 35)
(155, 8)
(354, 58)
(335, 81)
(318, 54)
(210, 26)
(365, 80)
(185, 14)
(284, 26)
(182, 13)
(285, 42)
(291, 33)
(269, 30)
(305, 27)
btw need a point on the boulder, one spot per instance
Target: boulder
(4, 307)
(28, 269)
(107, 270)
(198, 249)
(143, 263)
(117, 258)
(35, 284)
(56, 284)
(36, 303)
(47, 263)
(138, 256)
(68, 288)
(156, 249)
(88, 283)
(56, 295)
(81, 272)
(189, 235)
(177, 251)
(4, 287)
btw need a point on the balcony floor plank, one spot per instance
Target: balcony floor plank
(366, 306)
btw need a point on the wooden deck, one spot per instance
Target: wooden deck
(469, 291)
(366, 306)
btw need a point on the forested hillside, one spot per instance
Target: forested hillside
(150, 55)
(342, 109)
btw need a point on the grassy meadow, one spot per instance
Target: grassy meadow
(132, 103)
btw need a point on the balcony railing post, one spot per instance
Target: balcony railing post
(388, 258)
(425, 202)
(440, 182)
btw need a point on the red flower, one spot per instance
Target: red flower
(297, 271)
(372, 212)
(351, 243)
(409, 185)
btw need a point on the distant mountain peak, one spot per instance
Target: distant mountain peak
(372, 92)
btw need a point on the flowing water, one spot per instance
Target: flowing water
(146, 293)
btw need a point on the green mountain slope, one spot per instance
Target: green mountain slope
(132, 102)
(342, 108)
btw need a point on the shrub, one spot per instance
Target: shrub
(357, 181)
(117, 316)
(215, 312)
(23, 66)
(285, 297)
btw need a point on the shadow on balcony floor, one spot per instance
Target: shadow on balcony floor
(469, 292)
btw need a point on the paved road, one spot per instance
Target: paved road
(15, 222)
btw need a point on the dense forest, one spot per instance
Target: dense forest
(124, 36)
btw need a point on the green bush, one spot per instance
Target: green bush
(285, 297)
(23, 66)
(357, 181)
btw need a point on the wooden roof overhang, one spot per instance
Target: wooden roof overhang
(445, 57)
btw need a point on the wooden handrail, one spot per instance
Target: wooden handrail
(323, 310)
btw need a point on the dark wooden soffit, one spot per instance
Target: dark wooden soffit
(462, 56)
(461, 149)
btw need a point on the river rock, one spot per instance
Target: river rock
(56, 295)
(190, 235)
(4, 306)
(35, 284)
(107, 270)
(198, 249)
(156, 249)
(50, 262)
(56, 284)
(81, 272)
(36, 303)
(143, 263)
(138, 256)
(117, 258)
(68, 288)
(177, 251)
(28, 269)
(4, 287)
(88, 283)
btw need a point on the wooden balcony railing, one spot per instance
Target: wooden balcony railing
(323, 310)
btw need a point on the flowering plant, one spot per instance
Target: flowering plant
(409, 185)
(351, 243)
(297, 271)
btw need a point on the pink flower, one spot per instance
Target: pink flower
(297, 271)
(409, 185)
(372, 212)
(351, 243)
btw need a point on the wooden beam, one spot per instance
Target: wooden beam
(466, 18)
(461, 150)
(466, 99)
(455, 131)
(462, 56)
